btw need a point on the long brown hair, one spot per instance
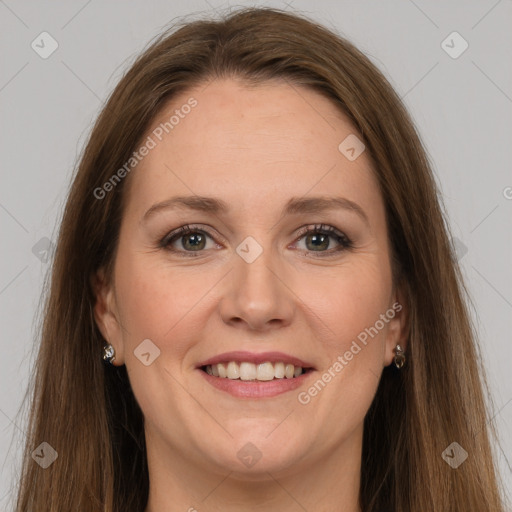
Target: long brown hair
(86, 410)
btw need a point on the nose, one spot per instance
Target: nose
(258, 295)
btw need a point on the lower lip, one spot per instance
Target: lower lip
(255, 389)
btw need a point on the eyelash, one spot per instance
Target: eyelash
(342, 239)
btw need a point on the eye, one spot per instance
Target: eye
(191, 240)
(318, 238)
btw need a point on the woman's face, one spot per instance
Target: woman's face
(248, 287)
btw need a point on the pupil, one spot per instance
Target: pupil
(320, 238)
(196, 241)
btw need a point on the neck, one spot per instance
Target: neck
(329, 483)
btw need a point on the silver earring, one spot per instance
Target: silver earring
(399, 359)
(109, 354)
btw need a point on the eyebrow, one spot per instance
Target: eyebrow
(295, 206)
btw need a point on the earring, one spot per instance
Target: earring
(109, 354)
(399, 359)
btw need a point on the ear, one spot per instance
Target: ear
(398, 327)
(106, 313)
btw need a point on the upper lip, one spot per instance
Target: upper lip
(256, 358)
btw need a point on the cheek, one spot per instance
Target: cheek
(154, 299)
(351, 301)
(350, 305)
(158, 302)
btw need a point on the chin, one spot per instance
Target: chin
(252, 457)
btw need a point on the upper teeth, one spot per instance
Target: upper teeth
(251, 371)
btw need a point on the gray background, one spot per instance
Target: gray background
(462, 107)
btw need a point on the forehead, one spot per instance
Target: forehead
(252, 146)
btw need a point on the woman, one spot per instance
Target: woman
(198, 353)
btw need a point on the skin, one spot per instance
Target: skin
(254, 148)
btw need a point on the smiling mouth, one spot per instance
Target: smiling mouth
(246, 371)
